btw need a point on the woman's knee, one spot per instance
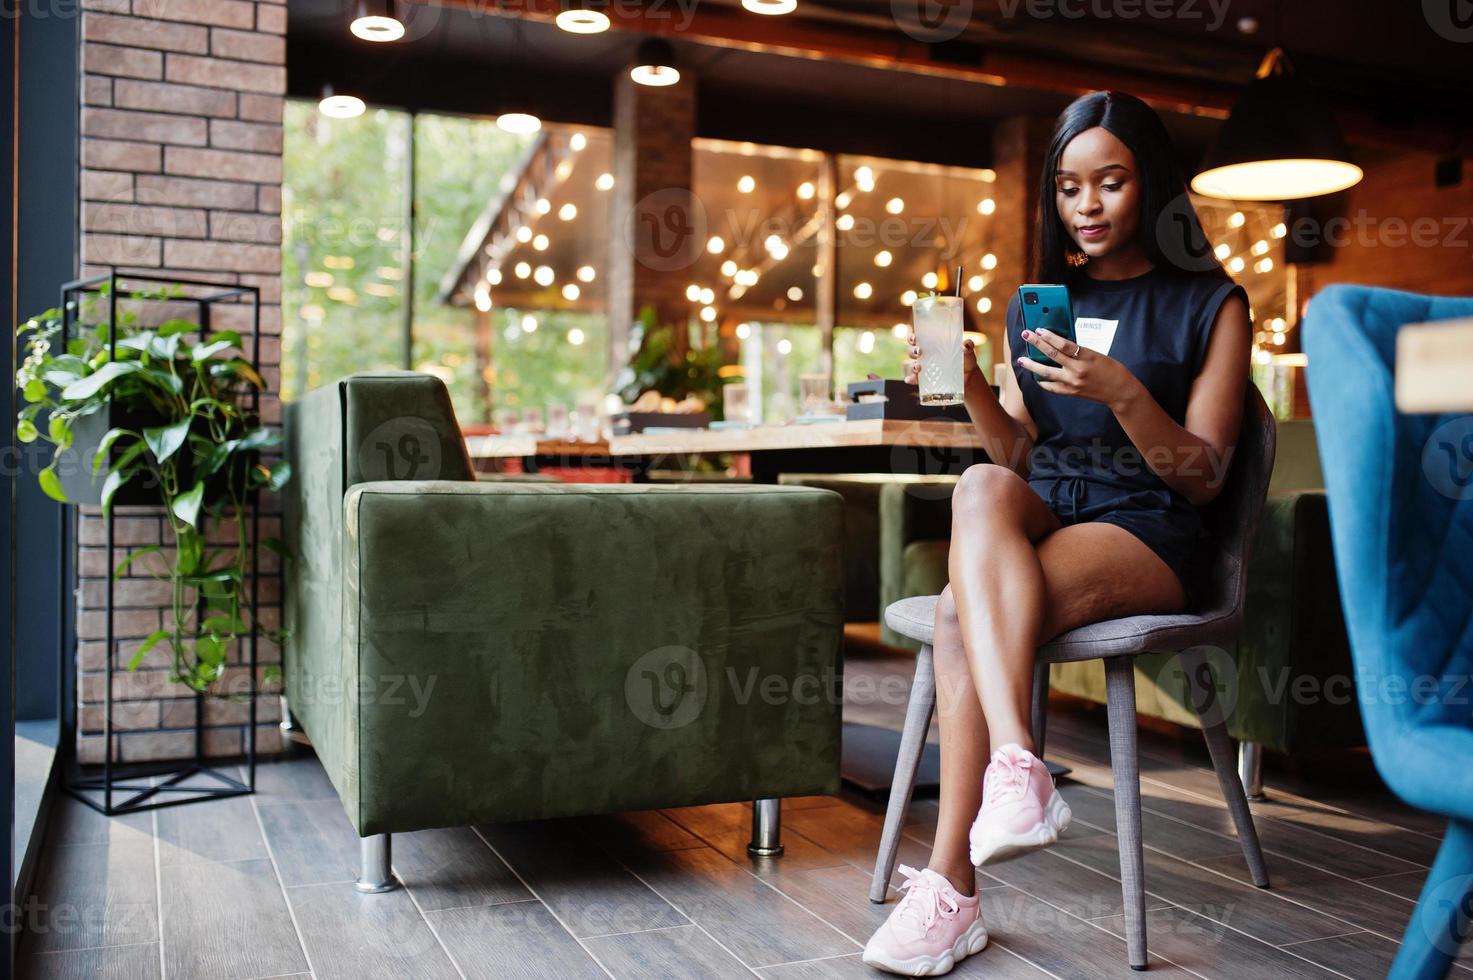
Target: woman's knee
(987, 487)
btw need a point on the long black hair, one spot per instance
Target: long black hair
(1169, 231)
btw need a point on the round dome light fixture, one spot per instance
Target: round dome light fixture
(654, 63)
(771, 8)
(374, 20)
(1278, 144)
(518, 123)
(337, 106)
(582, 20)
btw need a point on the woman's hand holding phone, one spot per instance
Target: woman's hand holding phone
(912, 364)
(1081, 371)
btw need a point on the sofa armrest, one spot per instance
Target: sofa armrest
(523, 651)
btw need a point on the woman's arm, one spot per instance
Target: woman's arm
(1193, 458)
(1002, 420)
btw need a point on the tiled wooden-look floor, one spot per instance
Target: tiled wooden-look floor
(261, 887)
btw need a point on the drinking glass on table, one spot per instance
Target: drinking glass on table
(938, 329)
(557, 420)
(508, 421)
(813, 394)
(736, 404)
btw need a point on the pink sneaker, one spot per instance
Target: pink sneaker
(1021, 810)
(932, 929)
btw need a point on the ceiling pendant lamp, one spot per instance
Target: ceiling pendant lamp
(770, 7)
(577, 17)
(518, 121)
(654, 63)
(374, 20)
(1279, 143)
(336, 106)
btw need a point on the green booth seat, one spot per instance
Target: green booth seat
(465, 652)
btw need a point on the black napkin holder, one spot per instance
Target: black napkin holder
(888, 398)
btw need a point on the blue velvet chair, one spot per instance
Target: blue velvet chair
(1401, 514)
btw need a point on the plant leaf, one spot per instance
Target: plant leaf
(123, 565)
(93, 383)
(148, 644)
(111, 486)
(281, 473)
(207, 351)
(186, 505)
(35, 390)
(171, 327)
(25, 431)
(165, 440)
(113, 435)
(51, 483)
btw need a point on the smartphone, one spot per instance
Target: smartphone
(1046, 307)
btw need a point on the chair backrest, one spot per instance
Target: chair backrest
(1232, 517)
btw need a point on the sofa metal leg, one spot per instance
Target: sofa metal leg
(767, 828)
(1250, 769)
(375, 859)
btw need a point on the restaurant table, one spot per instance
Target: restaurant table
(1434, 367)
(537, 452)
(861, 446)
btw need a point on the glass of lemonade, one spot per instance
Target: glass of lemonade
(938, 326)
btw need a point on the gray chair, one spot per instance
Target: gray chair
(1233, 517)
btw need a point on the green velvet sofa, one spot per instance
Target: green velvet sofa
(464, 651)
(1291, 687)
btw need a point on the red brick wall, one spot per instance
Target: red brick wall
(181, 176)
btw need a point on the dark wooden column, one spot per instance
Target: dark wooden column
(1019, 144)
(657, 228)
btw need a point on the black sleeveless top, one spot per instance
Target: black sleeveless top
(1083, 464)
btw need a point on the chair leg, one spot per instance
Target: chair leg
(1441, 920)
(767, 828)
(1214, 729)
(375, 864)
(1124, 760)
(1040, 706)
(1250, 769)
(912, 744)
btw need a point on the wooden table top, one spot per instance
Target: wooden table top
(506, 446)
(1434, 367)
(815, 435)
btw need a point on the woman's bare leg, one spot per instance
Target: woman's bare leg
(1080, 584)
(998, 588)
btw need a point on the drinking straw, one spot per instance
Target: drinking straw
(958, 282)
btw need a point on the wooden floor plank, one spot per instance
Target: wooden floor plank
(757, 923)
(1057, 942)
(638, 829)
(95, 895)
(453, 868)
(684, 951)
(352, 936)
(227, 921)
(1264, 914)
(216, 830)
(312, 841)
(140, 962)
(1213, 950)
(293, 780)
(1360, 905)
(839, 896)
(1083, 891)
(517, 941)
(852, 835)
(591, 894)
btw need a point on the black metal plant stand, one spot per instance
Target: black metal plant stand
(146, 786)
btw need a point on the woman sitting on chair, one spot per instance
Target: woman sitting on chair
(1089, 511)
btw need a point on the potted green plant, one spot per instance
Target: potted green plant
(162, 414)
(656, 366)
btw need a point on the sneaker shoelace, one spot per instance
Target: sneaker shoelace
(1007, 778)
(923, 903)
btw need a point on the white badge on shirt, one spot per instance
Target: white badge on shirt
(1094, 333)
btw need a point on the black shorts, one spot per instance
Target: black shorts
(1168, 524)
